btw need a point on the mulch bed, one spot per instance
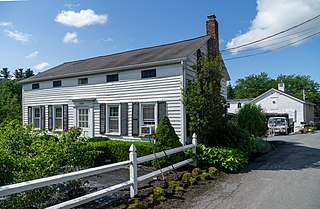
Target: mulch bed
(181, 199)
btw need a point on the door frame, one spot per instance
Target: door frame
(85, 105)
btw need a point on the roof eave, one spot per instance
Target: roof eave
(127, 67)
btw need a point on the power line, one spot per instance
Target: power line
(251, 55)
(303, 33)
(265, 38)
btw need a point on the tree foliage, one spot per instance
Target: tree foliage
(203, 101)
(253, 85)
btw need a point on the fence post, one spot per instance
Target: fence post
(133, 171)
(194, 149)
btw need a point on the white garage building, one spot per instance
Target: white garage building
(277, 101)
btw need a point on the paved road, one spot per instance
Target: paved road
(286, 178)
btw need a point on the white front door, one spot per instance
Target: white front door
(84, 121)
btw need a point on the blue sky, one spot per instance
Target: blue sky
(41, 34)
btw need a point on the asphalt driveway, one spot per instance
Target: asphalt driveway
(286, 178)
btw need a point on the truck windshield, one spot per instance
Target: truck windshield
(277, 121)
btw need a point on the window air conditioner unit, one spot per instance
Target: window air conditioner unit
(147, 130)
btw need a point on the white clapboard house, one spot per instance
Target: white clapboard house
(121, 95)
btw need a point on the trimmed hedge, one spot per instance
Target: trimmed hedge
(117, 150)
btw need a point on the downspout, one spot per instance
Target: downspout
(183, 112)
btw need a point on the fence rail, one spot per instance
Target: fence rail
(132, 183)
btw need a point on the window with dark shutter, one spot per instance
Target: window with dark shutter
(50, 118)
(162, 110)
(29, 115)
(149, 73)
(102, 118)
(56, 83)
(65, 117)
(112, 78)
(35, 86)
(124, 119)
(135, 119)
(42, 117)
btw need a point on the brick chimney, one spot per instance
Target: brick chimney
(212, 30)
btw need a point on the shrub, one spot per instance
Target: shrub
(27, 154)
(230, 159)
(252, 118)
(204, 176)
(212, 171)
(166, 138)
(118, 150)
(187, 178)
(136, 205)
(158, 195)
(261, 146)
(175, 186)
(196, 171)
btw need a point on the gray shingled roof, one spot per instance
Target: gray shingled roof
(130, 59)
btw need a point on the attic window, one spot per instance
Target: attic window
(112, 78)
(149, 73)
(35, 86)
(83, 81)
(57, 83)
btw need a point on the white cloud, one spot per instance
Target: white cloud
(5, 24)
(80, 19)
(71, 38)
(274, 16)
(32, 55)
(22, 37)
(41, 65)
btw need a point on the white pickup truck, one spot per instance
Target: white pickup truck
(282, 124)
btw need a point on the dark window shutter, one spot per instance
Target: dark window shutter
(124, 119)
(65, 117)
(162, 110)
(29, 115)
(135, 119)
(42, 117)
(102, 118)
(50, 117)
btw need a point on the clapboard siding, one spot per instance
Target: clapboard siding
(140, 90)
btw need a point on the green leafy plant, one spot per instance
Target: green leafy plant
(175, 186)
(252, 118)
(196, 171)
(204, 176)
(213, 171)
(27, 154)
(187, 178)
(203, 100)
(230, 159)
(158, 195)
(136, 205)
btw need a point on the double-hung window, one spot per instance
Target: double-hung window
(58, 117)
(148, 118)
(36, 117)
(113, 119)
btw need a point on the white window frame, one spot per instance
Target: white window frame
(141, 115)
(54, 117)
(108, 117)
(38, 118)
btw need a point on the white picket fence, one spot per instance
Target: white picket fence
(132, 182)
